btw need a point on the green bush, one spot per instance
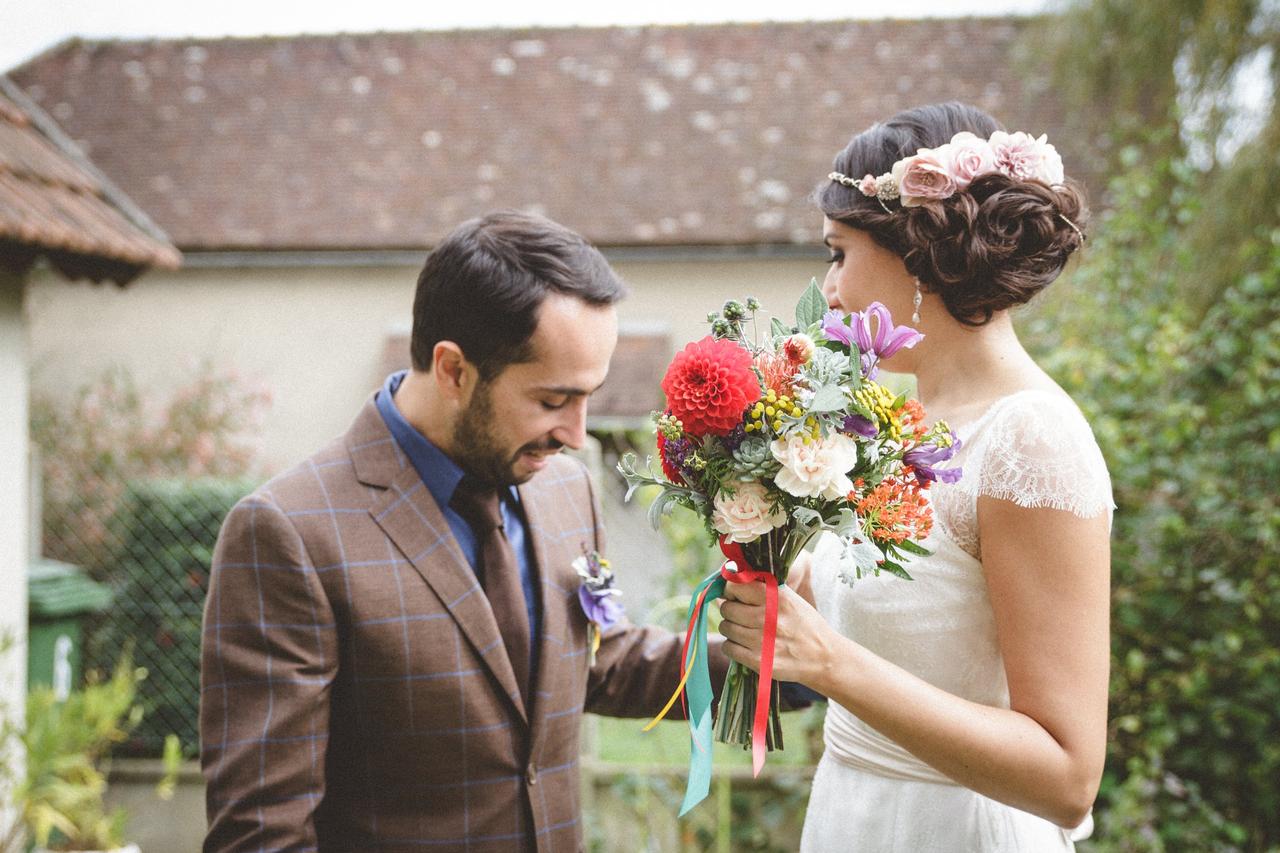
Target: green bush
(1184, 403)
(165, 530)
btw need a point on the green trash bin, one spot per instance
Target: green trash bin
(59, 596)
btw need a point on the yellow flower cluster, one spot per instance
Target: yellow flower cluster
(767, 414)
(879, 400)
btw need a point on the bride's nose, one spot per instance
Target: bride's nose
(830, 292)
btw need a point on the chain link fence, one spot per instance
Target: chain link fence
(151, 542)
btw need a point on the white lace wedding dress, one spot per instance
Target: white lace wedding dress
(869, 794)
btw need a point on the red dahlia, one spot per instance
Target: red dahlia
(708, 385)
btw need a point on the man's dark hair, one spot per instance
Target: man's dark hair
(483, 285)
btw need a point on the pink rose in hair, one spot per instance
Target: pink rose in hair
(867, 185)
(1025, 158)
(971, 157)
(924, 177)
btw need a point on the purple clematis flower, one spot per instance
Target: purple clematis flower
(835, 328)
(888, 337)
(924, 459)
(884, 341)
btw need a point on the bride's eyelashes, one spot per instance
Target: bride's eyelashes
(836, 257)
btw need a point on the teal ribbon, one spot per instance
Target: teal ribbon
(698, 691)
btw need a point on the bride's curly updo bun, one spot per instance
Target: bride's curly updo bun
(987, 248)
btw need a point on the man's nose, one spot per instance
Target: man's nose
(572, 431)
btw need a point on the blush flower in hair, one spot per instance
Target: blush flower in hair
(971, 158)
(924, 177)
(1026, 158)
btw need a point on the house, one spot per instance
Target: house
(59, 219)
(305, 178)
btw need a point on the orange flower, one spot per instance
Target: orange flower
(897, 510)
(776, 371)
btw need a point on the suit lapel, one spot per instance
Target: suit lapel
(409, 516)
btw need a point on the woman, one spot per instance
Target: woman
(968, 706)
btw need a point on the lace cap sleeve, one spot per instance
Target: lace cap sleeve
(1038, 451)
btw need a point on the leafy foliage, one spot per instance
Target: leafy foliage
(164, 533)
(1168, 338)
(1184, 406)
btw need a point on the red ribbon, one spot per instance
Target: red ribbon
(764, 692)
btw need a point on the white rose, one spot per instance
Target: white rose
(819, 469)
(747, 515)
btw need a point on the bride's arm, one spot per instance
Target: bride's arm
(1048, 575)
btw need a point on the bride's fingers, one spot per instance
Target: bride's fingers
(747, 615)
(741, 635)
(742, 655)
(751, 593)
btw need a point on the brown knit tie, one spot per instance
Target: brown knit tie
(499, 572)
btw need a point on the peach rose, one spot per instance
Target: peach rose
(924, 177)
(747, 515)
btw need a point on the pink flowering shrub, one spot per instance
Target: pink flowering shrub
(111, 432)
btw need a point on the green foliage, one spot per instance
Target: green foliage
(165, 531)
(66, 744)
(1184, 405)
(1169, 340)
(1180, 80)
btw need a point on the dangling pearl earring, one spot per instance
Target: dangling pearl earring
(915, 302)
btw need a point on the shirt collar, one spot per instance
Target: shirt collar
(439, 473)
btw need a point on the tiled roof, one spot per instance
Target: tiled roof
(53, 204)
(662, 135)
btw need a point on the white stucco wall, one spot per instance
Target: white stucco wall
(314, 336)
(13, 501)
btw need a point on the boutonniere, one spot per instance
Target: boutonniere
(598, 596)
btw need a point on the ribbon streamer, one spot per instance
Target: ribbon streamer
(764, 689)
(695, 675)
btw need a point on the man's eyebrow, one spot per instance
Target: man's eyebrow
(567, 390)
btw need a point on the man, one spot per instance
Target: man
(394, 652)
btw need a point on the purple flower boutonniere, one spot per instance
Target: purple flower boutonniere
(598, 596)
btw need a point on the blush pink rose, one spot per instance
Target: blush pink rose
(971, 157)
(1026, 158)
(924, 177)
(867, 185)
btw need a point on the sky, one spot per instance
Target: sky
(28, 27)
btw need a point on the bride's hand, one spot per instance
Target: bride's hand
(805, 642)
(800, 578)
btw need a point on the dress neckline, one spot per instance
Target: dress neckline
(969, 426)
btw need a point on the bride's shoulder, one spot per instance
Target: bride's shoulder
(1036, 447)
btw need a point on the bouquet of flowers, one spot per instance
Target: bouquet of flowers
(772, 442)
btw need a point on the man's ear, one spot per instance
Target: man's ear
(453, 374)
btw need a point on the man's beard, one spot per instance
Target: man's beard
(476, 446)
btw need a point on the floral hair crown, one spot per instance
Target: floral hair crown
(932, 174)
